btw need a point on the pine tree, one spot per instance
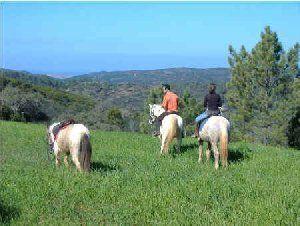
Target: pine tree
(189, 109)
(259, 93)
(294, 125)
(115, 117)
(239, 93)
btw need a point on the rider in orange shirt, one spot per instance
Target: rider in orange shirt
(170, 104)
(170, 101)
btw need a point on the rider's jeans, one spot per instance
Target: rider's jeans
(201, 117)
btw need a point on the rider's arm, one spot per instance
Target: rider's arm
(205, 102)
(165, 103)
(219, 101)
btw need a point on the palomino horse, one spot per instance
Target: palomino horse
(213, 130)
(171, 127)
(74, 139)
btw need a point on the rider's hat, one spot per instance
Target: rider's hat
(166, 86)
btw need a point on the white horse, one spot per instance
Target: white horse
(214, 130)
(171, 127)
(74, 139)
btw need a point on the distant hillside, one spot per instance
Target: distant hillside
(35, 79)
(141, 77)
(156, 77)
(88, 98)
(17, 94)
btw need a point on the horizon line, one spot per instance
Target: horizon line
(63, 75)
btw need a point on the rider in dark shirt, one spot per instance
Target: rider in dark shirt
(212, 102)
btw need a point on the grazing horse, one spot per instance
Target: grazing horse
(213, 130)
(171, 127)
(72, 139)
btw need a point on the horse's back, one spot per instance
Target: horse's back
(213, 127)
(172, 125)
(219, 121)
(72, 134)
(173, 119)
(80, 128)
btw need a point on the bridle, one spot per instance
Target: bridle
(152, 117)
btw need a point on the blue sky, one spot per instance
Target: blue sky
(74, 38)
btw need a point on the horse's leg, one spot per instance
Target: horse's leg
(162, 140)
(179, 140)
(57, 156)
(208, 151)
(66, 160)
(162, 145)
(76, 162)
(75, 155)
(200, 150)
(216, 154)
(165, 146)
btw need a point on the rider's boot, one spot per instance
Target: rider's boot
(197, 130)
(156, 133)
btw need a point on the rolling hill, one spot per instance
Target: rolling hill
(156, 77)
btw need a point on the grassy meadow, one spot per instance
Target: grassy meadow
(132, 184)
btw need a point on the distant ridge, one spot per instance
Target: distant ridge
(154, 77)
(145, 77)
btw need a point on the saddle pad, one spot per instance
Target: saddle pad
(61, 126)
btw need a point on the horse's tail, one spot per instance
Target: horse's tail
(85, 153)
(224, 146)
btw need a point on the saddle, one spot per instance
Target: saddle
(161, 117)
(61, 126)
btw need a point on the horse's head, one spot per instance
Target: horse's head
(155, 111)
(50, 135)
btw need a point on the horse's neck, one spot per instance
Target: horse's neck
(53, 126)
(161, 109)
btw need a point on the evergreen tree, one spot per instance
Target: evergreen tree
(294, 124)
(189, 109)
(115, 117)
(259, 93)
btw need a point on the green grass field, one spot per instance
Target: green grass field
(132, 184)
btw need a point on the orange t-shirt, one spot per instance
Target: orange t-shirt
(170, 102)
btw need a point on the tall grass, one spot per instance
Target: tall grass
(132, 184)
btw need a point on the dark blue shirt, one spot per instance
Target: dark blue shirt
(212, 102)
